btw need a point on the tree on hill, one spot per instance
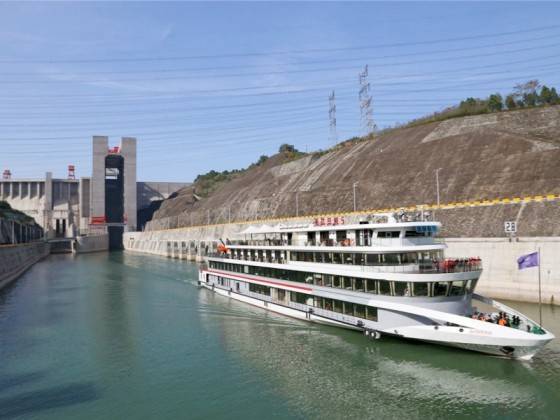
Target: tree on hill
(495, 102)
(510, 101)
(287, 148)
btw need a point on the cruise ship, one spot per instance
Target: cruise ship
(383, 275)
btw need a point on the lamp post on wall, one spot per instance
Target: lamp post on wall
(354, 185)
(437, 189)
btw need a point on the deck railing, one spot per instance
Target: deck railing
(382, 242)
(448, 265)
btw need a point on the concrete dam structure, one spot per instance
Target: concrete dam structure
(105, 204)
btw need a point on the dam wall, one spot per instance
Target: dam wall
(16, 259)
(94, 243)
(500, 278)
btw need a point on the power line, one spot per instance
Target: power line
(287, 52)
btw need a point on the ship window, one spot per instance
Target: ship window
(372, 259)
(359, 311)
(318, 279)
(309, 278)
(371, 286)
(371, 313)
(246, 269)
(337, 282)
(257, 288)
(457, 288)
(471, 284)
(359, 259)
(359, 285)
(340, 235)
(299, 297)
(281, 295)
(337, 258)
(328, 304)
(347, 281)
(347, 258)
(389, 234)
(440, 288)
(311, 238)
(328, 280)
(348, 308)
(337, 306)
(328, 257)
(401, 288)
(420, 289)
(384, 287)
(391, 258)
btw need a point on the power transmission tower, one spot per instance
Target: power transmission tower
(333, 138)
(364, 96)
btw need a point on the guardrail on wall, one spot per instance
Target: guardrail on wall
(12, 232)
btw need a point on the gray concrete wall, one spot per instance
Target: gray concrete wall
(16, 259)
(100, 145)
(500, 279)
(85, 244)
(128, 151)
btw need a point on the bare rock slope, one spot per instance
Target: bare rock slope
(506, 154)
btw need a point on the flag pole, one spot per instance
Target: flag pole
(540, 301)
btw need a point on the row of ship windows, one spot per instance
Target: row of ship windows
(374, 286)
(348, 258)
(280, 295)
(353, 258)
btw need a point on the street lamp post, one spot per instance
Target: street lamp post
(437, 190)
(354, 185)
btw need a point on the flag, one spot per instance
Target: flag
(529, 260)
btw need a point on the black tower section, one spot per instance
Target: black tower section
(114, 199)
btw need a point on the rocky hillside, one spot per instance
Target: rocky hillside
(506, 154)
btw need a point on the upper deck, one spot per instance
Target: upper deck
(380, 234)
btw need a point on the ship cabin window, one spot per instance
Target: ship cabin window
(457, 288)
(420, 289)
(324, 238)
(348, 308)
(310, 238)
(340, 236)
(337, 306)
(359, 285)
(401, 288)
(384, 287)
(440, 288)
(388, 234)
(347, 283)
(257, 288)
(299, 297)
(359, 311)
(371, 286)
(371, 313)
(363, 237)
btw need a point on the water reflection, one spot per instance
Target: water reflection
(335, 372)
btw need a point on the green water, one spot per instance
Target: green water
(115, 336)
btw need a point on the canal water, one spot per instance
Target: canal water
(114, 336)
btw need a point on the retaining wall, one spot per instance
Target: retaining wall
(500, 276)
(16, 259)
(85, 244)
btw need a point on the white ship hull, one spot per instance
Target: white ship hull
(466, 333)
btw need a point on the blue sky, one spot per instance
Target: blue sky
(215, 85)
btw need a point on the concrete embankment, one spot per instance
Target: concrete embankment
(85, 244)
(500, 278)
(16, 259)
